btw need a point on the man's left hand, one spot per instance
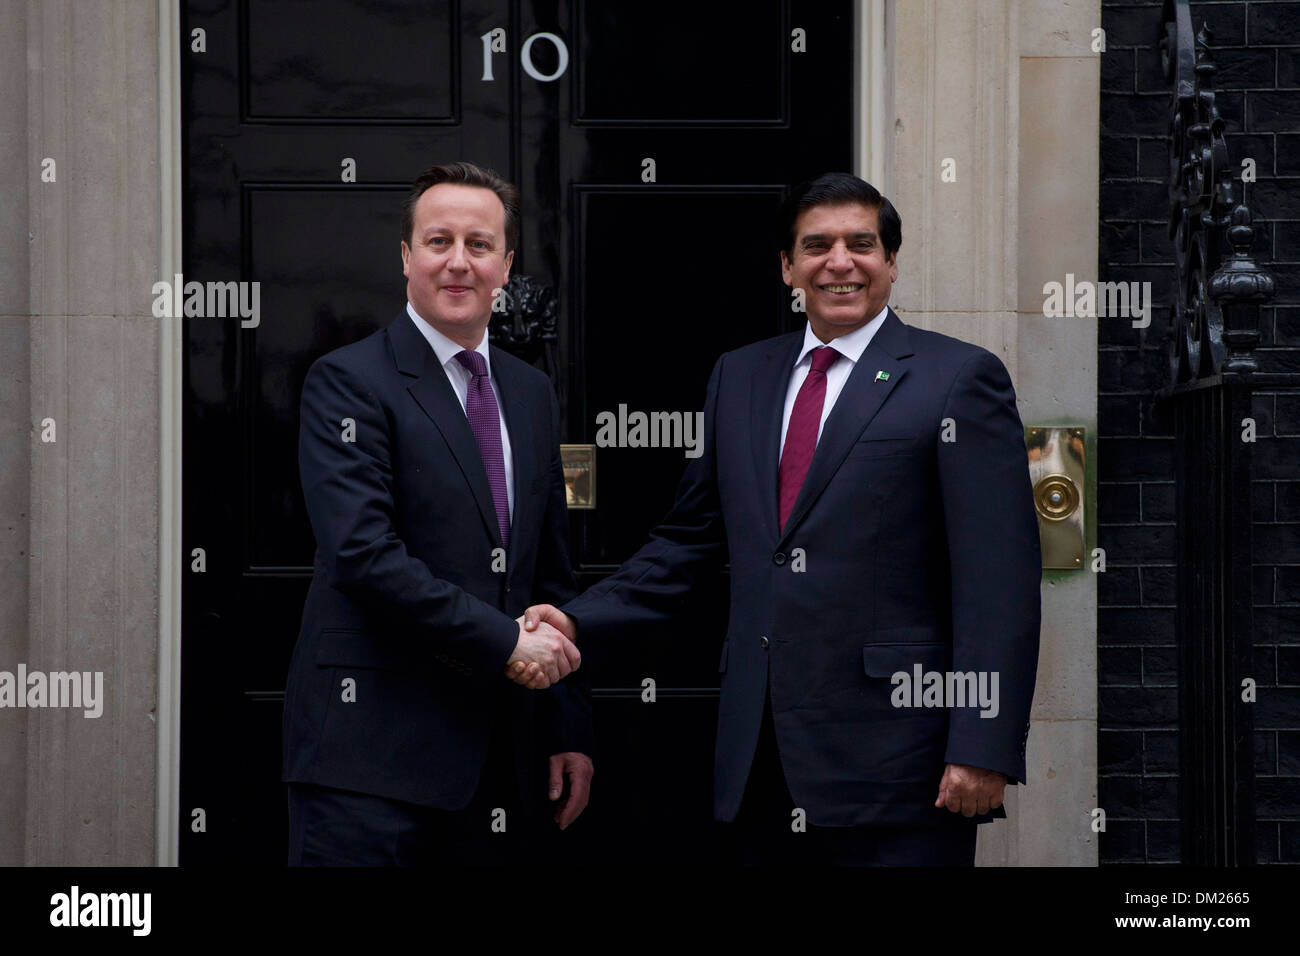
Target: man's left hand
(579, 768)
(969, 790)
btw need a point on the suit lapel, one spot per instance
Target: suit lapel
(768, 386)
(514, 407)
(862, 396)
(433, 393)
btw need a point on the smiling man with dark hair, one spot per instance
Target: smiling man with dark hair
(430, 465)
(868, 482)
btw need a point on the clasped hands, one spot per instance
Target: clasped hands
(546, 651)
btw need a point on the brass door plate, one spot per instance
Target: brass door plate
(1056, 469)
(579, 462)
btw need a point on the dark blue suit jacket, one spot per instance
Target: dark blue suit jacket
(902, 549)
(407, 598)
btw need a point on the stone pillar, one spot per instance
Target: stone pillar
(15, 418)
(91, 106)
(1008, 90)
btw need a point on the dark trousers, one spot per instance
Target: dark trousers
(762, 834)
(331, 827)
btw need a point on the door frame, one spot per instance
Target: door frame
(171, 361)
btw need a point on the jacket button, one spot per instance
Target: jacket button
(507, 588)
(762, 642)
(778, 558)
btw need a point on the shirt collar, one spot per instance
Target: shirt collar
(444, 347)
(851, 346)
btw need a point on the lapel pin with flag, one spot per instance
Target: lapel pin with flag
(882, 376)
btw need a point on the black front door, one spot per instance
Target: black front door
(652, 144)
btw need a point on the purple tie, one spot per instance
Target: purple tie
(481, 409)
(801, 433)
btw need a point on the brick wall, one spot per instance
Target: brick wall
(1257, 48)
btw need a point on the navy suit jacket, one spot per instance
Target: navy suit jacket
(408, 598)
(903, 549)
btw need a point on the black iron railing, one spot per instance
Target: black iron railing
(1212, 374)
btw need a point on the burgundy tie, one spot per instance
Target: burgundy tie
(801, 433)
(481, 409)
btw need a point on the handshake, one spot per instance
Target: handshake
(546, 651)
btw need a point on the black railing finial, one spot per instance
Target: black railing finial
(1218, 286)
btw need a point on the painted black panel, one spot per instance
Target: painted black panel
(682, 61)
(329, 264)
(671, 278)
(349, 60)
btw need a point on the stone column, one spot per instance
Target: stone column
(15, 418)
(1008, 91)
(91, 106)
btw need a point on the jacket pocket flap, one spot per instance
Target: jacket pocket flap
(888, 434)
(885, 660)
(882, 447)
(911, 634)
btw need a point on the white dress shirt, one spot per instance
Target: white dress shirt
(459, 377)
(850, 347)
